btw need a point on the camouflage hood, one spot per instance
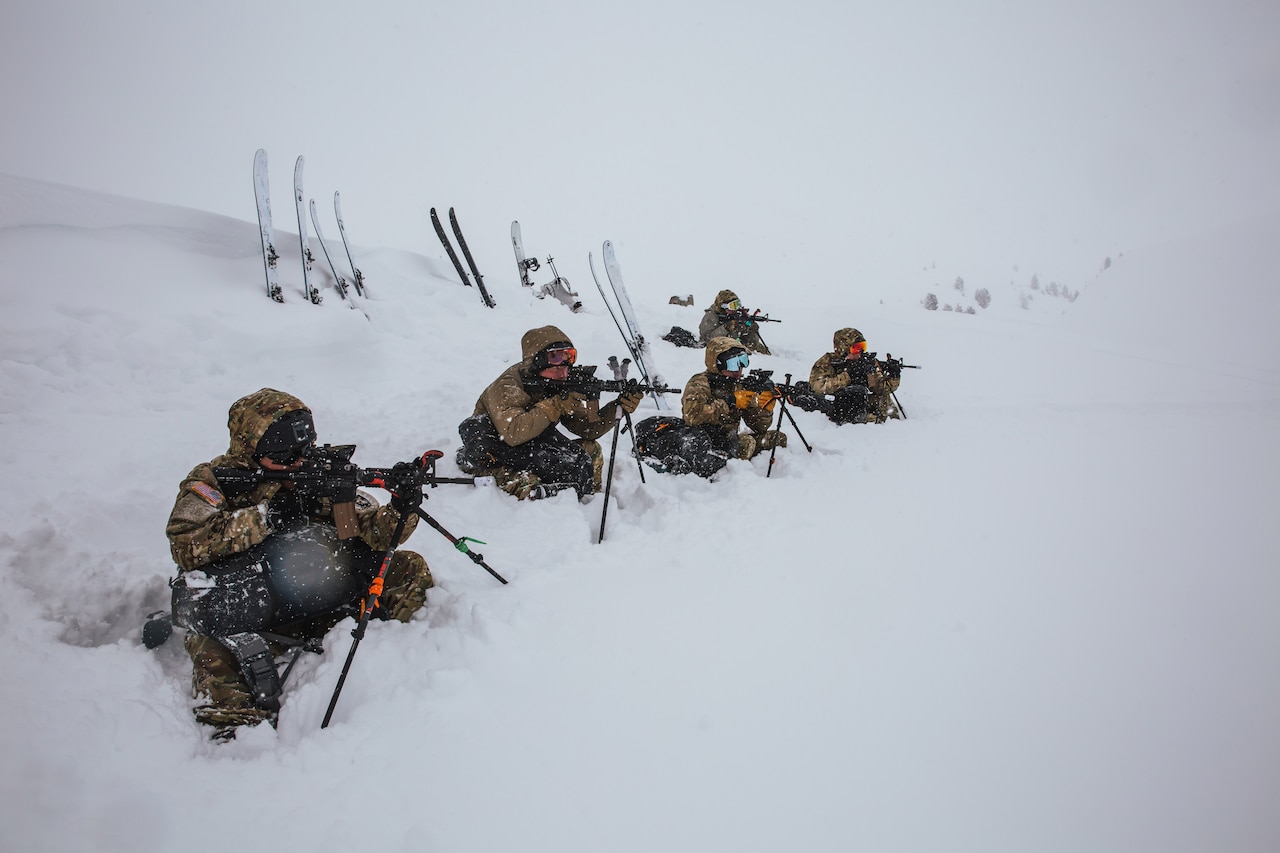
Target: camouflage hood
(845, 338)
(721, 298)
(249, 419)
(717, 347)
(536, 340)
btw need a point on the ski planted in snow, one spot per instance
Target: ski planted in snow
(558, 287)
(448, 247)
(342, 231)
(339, 281)
(523, 264)
(636, 344)
(471, 262)
(262, 193)
(313, 293)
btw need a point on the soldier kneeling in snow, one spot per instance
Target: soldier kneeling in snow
(262, 567)
(512, 435)
(714, 405)
(851, 385)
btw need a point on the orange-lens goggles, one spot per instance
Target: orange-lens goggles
(557, 357)
(858, 349)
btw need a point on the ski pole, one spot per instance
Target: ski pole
(632, 430)
(613, 455)
(371, 602)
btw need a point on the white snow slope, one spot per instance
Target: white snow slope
(1039, 615)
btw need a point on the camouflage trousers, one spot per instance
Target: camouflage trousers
(750, 444)
(525, 484)
(880, 404)
(215, 673)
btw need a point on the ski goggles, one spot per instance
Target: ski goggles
(735, 305)
(561, 355)
(737, 361)
(857, 349)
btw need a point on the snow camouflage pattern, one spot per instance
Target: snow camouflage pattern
(709, 401)
(207, 525)
(714, 326)
(826, 379)
(521, 415)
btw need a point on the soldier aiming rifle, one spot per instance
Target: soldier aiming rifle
(852, 386)
(727, 318)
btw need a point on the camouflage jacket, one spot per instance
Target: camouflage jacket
(709, 399)
(826, 378)
(716, 325)
(207, 525)
(511, 405)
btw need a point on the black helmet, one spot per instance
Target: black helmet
(287, 437)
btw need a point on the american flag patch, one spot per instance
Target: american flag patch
(209, 493)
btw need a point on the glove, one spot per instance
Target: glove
(746, 399)
(767, 399)
(630, 402)
(407, 487)
(552, 407)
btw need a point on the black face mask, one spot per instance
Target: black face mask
(287, 437)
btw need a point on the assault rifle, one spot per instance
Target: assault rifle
(857, 368)
(582, 380)
(892, 367)
(742, 315)
(762, 380)
(328, 472)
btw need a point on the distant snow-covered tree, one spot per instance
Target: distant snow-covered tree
(1106, 263)
(959, 285)
(930, 302)
(982, 296)
(970, 310)
(947, 307)
(1035, 282)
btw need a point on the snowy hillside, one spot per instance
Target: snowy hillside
(1037, 615)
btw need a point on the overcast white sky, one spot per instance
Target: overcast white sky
(712, 141)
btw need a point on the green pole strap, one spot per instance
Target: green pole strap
(462, 544)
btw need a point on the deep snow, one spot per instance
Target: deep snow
(1037, 615)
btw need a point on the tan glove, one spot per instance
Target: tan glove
(552, 407)
(767, 400)
(572, 402)
(630, 402)
(746, 399)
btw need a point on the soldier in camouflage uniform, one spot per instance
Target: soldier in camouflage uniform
(512, 434)
(854, 385)
(716, 402)
(208, 525)
(718, 322)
